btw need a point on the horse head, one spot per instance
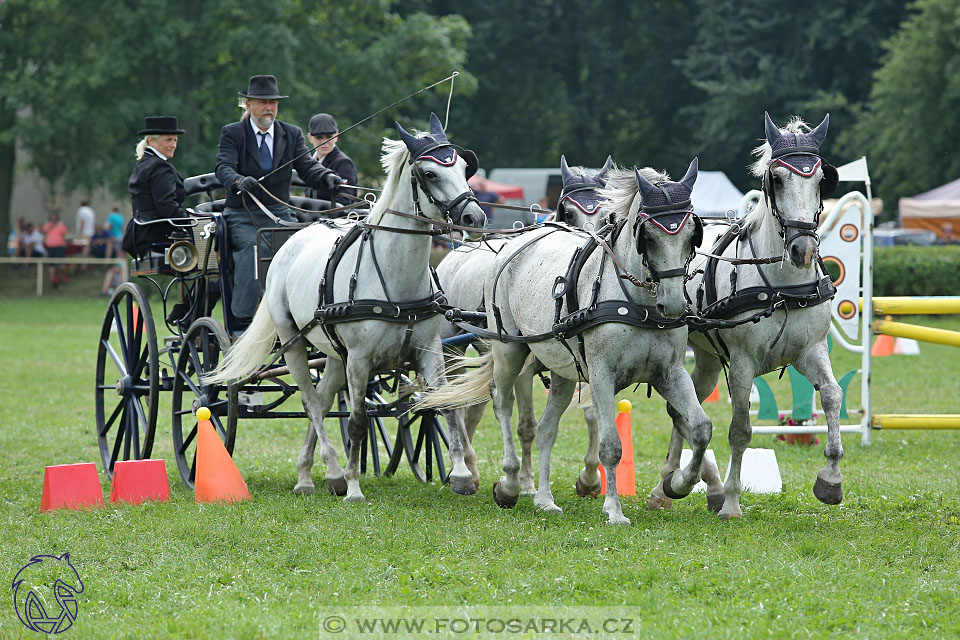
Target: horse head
(580, 198)
(667, 232)
(795, 180)
(440, 170)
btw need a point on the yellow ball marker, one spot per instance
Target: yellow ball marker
(203, 413)
(624, 406)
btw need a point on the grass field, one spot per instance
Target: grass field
(884, 564)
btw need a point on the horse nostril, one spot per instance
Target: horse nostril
(470, 220)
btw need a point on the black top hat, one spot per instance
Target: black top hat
(262, 88)
(160, 124)
(323, 123)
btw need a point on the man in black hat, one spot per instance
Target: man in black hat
(323, 134)
(256, 158)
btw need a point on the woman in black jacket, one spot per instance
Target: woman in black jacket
(156, 188)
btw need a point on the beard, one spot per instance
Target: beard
(263, 121)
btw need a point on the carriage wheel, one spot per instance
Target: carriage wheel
(375, 430)
(128, 378)
(203, 345)
(431, 442)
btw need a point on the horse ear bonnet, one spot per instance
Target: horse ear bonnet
(668, 205)
(581, 190)
(800, 153)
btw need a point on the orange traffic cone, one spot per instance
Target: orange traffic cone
(218, 479)
(714, 395)
(626, 470)
(882, 346)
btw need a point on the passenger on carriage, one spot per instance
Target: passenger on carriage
(156, 187)
(323, 132)
(256, 158)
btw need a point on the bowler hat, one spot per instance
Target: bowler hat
(323, 123)
(262, 88)
(160, 124)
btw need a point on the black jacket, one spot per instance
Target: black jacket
(239, 155)
(156, 192)
(340, 162)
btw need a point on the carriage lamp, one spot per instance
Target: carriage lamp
(183, 256)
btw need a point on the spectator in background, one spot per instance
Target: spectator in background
(114, 224)
(946, 234)
(322, 133)
(55, 241)
(84, 228)
(484, 195)
(15, 240)
(101, 244)
(32, 242)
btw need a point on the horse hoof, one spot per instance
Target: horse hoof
(304, 490)
(655, 503)
(337, 486)
(504, 502)
(714, 502)
(621, 520)
(827, 492)
(731, 516)
(585, 491)
(462, 486)
(354, 498)
(668, 490)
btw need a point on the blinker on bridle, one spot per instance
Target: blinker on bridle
(418, 181)
(650, 214)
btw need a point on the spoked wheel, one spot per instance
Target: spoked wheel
(128, 382)
(203, 345)
(431, 441)
(376, 431)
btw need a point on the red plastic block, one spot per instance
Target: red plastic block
(137, 480)
(73, 486)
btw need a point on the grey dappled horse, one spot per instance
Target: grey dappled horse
(614, 354)
(462, 272)
(427, 164)
(782, 224)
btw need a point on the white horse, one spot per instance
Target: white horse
(385, 273)
(462, 273)
(782, 227)
(618, 334)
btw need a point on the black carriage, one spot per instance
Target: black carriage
(191, 275)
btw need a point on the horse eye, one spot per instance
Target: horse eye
(777, 179)
(430, 175)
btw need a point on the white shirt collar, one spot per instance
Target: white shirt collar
(159, 155)
(257, 132)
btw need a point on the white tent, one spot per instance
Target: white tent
(931, 209)
(714, 194)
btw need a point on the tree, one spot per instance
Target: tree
(76, 79)
(910, 127)
(752, 56)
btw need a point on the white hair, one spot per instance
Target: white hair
(143, 144)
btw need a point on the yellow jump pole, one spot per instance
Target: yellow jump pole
(923, 334)
(916, 421)
(898, 306)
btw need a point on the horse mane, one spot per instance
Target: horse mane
(622, 188)
(393, 155)
(754, 220)
(579, 171)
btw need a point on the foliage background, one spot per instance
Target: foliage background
(651, 83)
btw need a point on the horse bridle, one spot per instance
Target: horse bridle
(418, 182)
(651, 213)
(827, 185)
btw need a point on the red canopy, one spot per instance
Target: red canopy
(508, 191)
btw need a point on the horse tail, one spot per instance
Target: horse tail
(464, 390)
(248, 353)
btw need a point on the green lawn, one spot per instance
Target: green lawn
(884, 564)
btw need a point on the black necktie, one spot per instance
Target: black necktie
(266, 158)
